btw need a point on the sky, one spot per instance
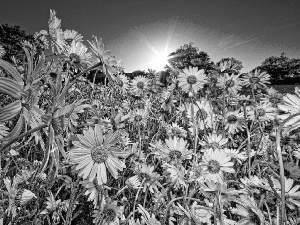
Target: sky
(248, 30)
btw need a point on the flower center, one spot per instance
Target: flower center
(261, 112)
(74, 58)
(213, 166)
(175, 154)
(52, 34)
(140, 85)
(192, 79)
(138, 118)
(120, 83)
(99, 154)
(69, 41)
(213, 80)
(254, 80)
(214, 145)
(232, 119)
(140, 105)
(274, 100)
(229, 83)
(202, 114)
(109, 214)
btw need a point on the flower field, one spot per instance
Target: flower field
(204, 147)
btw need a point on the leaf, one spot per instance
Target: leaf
(63, 111)
(12, 71)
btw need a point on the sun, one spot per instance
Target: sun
(159, 61)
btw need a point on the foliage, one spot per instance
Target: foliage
(194, 150)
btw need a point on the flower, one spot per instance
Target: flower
(273, 97)
(191, 80)
(95, 152)
(175, 130)
(77, 56)
(72, 35)
(2, 51)
(175, 149)
(138, 117)
(3, 131)
(40, 40)
(230, 83)
(234, 153)
(92, 191)
(23, 196)
(168, 101)
(214, 140)
(264, 112)
(133, 182)
(291, 103)
(123, 83)
(176, 173)
(109, 215)
(140, 85)
(256, 79)
(56, 34)
(195, 214)
(146, 217)
(202, 112)
(247, 208)
(214, 163)
(234, 121)
(150, 178)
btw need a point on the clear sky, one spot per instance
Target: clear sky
(249, 30)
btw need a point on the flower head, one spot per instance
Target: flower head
(72, 35)
(232, 83)
(77, 56)
(191, 80)
(234, 121)
(140, 85)
(215, 163)
(256, 79)
(264, 112)
(95, 152)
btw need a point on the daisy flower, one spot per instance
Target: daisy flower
(2, 51)
(41, 40)
(56, 34)
(191, 80)
(176, 149)
(195, 214)
(234, 121)
(256, 79)
(248, 210)
(123, 83)
(230, 83)
(290, 103)
(76, 54)
(168, 101)
(150, 178)
(203, 113)
(91, 191)
(214, 140)
(133, 182)
(140, 85)
(138, 117)
(176, 174)
(273, 96)
(215, 163)
(264, 112)
(256, 181)
(72, 35)
(175, 130)
(94, 153)
(108, 215)
(3, 131)
(235, 154)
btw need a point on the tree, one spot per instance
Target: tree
(189, 55)
(11, 38)
(281, 69)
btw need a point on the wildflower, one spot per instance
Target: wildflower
(234, 121)
(56, 34)
(150, 178)
(214, 140)
(3, 131)
(77, 56)
(264, 112)
(146, 217)
(95, 152)
(2, 51)
(195, 214)
(168, 101)
(256, 181)
(108, 215)
(41, 40)
(214, 163)
(290, 103)
(273, 96)
(176, 173)
(140, 85)
(138, 117)
(191, 80)
(23, 196)
(248, 210)
(230, 83)
(72, 35)
(176, 149)
(256, 79)
(175, 130)
(235, 154)
(92, 191)
(133, 182)
(202, 113)
(123, 83)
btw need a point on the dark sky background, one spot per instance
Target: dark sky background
(249, 30)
